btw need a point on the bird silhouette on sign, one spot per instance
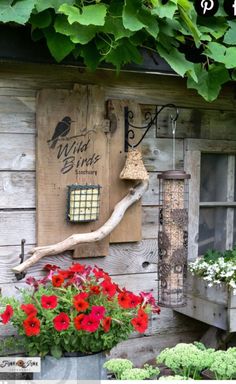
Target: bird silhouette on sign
(61, 130)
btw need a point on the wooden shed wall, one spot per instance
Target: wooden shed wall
(132, 265)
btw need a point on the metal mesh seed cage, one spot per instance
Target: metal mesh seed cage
(172, 238)
(83, 202)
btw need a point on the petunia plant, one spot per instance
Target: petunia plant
(76, 310)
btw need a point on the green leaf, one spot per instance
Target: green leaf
(177, 62)
(131, 15)
(220, 53)
(124, 53)
(215, 26)
(41, 5)
(78, 33)
(168, 10)
(18, 12)
(91, 55)
(89, 14)
(56, 351)
(41, 20)
(209, 82)
(150, 22)
(59, 45)
(191, 25)
(114, 26)
(230, 36)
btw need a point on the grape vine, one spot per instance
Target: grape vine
(202, 49)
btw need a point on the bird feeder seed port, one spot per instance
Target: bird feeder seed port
(83, 203)
(173, 238)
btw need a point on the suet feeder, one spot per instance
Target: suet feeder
(173, 238)
(83, 203)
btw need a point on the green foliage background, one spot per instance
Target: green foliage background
(203, 49)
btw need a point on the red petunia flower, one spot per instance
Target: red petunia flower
(66, 274)
(124, 300)
(100, 274)
(29, 309)
(31, 326)
(139, 324)
(90, 323)
(156, 309)
(81, 305)
(106, 323)
(57, 280)
(147, 298)
(134, 300)
(77, 268)
(142, 314)
(108, 288)
(50, 267)
(81, 296)
(98, 311)
(95, 289)
(78, 321)
(7, 314)
(61, 322)
(32, 281)
(49, 302)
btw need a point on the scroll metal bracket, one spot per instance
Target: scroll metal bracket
(150, 121)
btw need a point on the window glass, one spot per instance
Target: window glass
(212, 229)
(213, 177)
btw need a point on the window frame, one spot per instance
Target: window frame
(193, 148)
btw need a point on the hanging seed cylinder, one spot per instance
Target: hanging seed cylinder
(173, 238)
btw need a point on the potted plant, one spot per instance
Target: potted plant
(212, 280)
(75, 311)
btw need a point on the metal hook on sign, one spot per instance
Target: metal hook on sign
(21, 275)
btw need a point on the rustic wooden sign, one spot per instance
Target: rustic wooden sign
(72, 147)
(130, 228)
(77, 145)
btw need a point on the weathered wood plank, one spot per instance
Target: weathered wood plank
(17, 122)
(151, 196)
(17, 152)
(192, 162)
(17, 104)
(199, 287)
(17, 190)
(150, 222)
(9, 91)
(123, 259)
(145, 88)
(206, 311)
(211, 146)
(194, 123)
(157, 154)
(15, 226)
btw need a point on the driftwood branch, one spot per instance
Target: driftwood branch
(120, 208)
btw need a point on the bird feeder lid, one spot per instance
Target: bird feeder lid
(174, 175)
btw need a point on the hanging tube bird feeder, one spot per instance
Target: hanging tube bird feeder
(173, 238)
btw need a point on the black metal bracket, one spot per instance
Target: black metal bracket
(21, 275)
(151, 120)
